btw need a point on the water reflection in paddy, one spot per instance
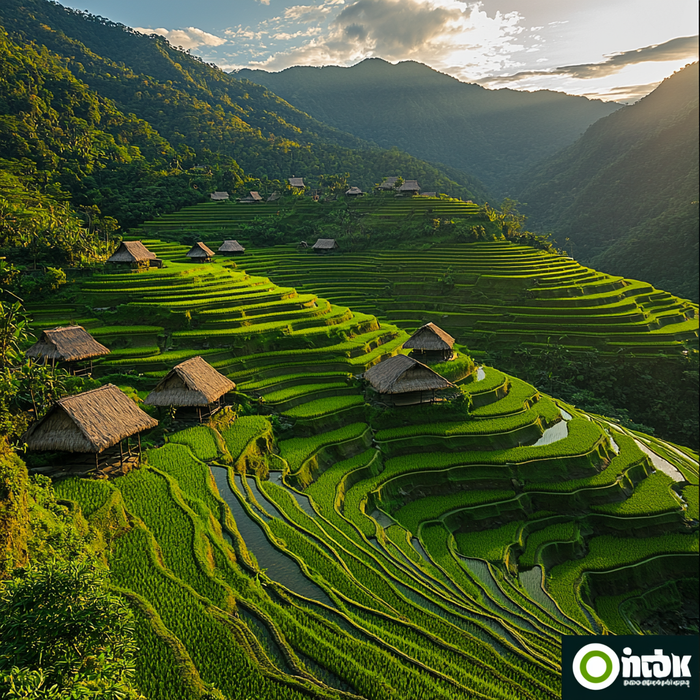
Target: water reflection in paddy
(279, 567)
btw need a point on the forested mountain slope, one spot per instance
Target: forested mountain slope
(626, 192)
(69, 79)
(495, 134)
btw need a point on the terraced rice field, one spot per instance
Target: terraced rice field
(218, 220)
(417, 552)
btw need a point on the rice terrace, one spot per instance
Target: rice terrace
(270, 430)
(333, 540)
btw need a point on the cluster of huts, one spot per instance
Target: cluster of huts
(135, 254)
(100, 424)
(403, 380)
(297, 185)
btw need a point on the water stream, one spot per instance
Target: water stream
(279, 567)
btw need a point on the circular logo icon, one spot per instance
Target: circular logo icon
(596, 666)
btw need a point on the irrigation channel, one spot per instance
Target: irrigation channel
(279, 567)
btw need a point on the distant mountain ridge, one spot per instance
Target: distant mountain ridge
(625, 195)
(494, 134)
(169, 112)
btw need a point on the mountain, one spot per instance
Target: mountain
(625, 194)
(494, 134)
(97, 114)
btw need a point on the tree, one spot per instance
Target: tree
(63, 634)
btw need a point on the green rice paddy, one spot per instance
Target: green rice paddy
(333, 547)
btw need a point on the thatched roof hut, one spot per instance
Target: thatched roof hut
(88, 422)
(219, 196)
(410, 186)
(66, 344)
(388, 184)
(405, 380)
(431, 342)
(274, 197)
(251, 198)
(325, 244)
(296, 182)
(132, 252)
(193, 382)
(231, 248)
(200, 252)
(354, 192)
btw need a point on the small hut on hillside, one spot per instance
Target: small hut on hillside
(402, 381)
(251, 198)
(388, 184)
(354, 192)
(410, 187)
(296, 183)
(91, 423)
(430, 344)
(274, 197)
(231, 248)
(67, 346)
(200, 253)
(219, 196)
(324, 245)
(135, 254)
(193, 383)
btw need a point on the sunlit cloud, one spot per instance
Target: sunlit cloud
(442, 33)
(189, 38)
(679, 49)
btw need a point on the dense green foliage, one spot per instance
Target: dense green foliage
(624, 196)
(63, 634)
(495, 134)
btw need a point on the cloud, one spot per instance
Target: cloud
(441, 33)
(680, 48)
(188, 38)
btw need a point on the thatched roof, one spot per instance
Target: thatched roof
(410, 186)
(68, 344)
(251, 197)
(354, 191)
(88, 422)
(199, 250)
(193, 382)
(325, 244)
(388, 183)
(401, 374)
(130, 252)
(273, 197)
(430, 337)
(296, 181)
(231, 247)
(219, 196)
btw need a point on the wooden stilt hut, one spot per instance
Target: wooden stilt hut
(430, 344)
(200, 253)
(231, 248)
(91, 423)
(409, 187)
(71, 347)
(402, 381)
(135, 255)
(193, 383)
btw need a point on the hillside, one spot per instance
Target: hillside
(99, 114)
(494, 134)
(625, 194)
(327, 545)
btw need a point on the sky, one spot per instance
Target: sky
(608, 49)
